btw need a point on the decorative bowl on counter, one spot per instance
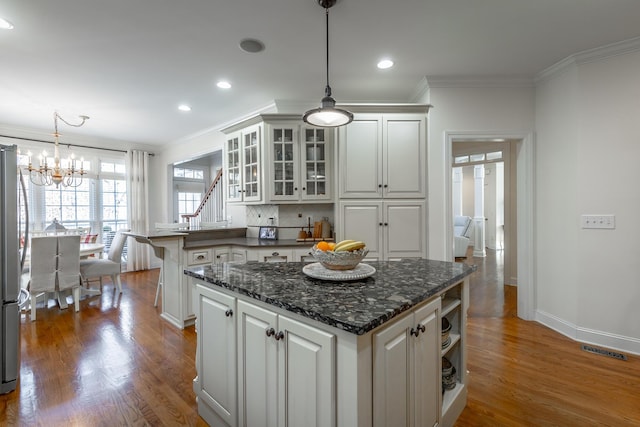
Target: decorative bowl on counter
(341, 260)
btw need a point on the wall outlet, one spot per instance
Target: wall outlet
(598, 221)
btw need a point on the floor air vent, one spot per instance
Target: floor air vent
(604, 352)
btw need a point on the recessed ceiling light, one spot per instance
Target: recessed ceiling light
(223, 84)
(385, 63)
(184, 107)
(251, 45)
(5, 25)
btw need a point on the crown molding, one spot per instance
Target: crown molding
(421, 91)
(472, 81)
(590, 55)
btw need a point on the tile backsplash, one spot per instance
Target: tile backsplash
(296, 216)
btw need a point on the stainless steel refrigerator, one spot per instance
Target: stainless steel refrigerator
(11, 295)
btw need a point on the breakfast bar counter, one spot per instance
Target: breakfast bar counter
(278, 347)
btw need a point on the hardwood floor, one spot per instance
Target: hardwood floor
(117, 363)
(114, 363)
(525, 374)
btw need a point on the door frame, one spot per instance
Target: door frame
(525, 174)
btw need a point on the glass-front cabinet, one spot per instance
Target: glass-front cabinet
(299, 163)
(251, 164)
(233, 169)
(316, 164)
(284, 164)
(244, 167)
(295, 166)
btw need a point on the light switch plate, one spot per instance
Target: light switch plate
(598, 221)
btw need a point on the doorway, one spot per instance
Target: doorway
(484, 188)
(523, 162)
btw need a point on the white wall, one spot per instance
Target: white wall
(588, 147)
(557, 147)
(178, 151)
(482, 110)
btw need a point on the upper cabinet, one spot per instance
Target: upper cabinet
(276, 158)
(244, 165)
(299, 163)
(383, 155)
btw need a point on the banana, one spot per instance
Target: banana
(352, 246)
(342, 243)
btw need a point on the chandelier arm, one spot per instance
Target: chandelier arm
(57, 116)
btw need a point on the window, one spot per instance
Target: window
(188, 173)
(97, 206)
(188, 202)
(189, 188)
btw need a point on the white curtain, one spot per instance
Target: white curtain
(139, 256)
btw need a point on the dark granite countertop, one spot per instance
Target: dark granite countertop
(356, 307)
(249, 242)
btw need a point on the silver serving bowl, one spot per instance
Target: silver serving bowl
(342, 260)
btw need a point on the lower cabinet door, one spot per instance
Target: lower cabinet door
(306, 383)
(258, 366)
(286, 371)
(216, 355)
(392, 370)
(406, 370)
(427, 366)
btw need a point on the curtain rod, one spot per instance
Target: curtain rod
(66, 144)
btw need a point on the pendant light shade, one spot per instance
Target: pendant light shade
(327, 115)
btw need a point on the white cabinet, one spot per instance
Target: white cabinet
(260, 365)
(298, 162)
(216, 358)
(391, 229)
(296, 165)
(244, 165)
(287, 371)
(275, 255)
(383, 156)
(198, 256)
(406, 370)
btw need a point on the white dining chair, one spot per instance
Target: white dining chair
(42, 272)
(68, 269)
(55, 267)
(111, 266)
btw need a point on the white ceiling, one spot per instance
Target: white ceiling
(129, 63)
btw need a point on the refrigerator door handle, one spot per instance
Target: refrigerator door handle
(23, 187)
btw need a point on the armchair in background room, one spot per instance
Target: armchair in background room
(462, 226)
(111, 266)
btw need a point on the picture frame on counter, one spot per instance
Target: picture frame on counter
(268, 233)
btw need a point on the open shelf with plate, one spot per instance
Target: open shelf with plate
(455, 303)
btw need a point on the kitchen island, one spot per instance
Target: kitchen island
(276, 347)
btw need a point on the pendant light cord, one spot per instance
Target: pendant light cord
(327, 90)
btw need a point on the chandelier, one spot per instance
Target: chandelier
(327, 115)
(45, 174)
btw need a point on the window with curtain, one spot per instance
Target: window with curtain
(97, 206)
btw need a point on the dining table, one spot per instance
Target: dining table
(87, 249)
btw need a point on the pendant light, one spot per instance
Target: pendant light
(327, 115)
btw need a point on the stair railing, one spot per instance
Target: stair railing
(211, 208)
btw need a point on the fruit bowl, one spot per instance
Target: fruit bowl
(341, 260)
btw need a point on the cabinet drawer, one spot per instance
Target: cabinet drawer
(275, 255)
(199, 256)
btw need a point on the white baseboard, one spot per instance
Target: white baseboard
(589, 336)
